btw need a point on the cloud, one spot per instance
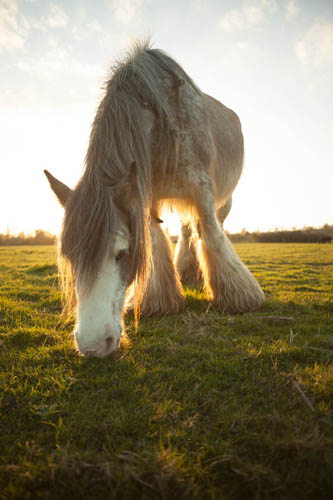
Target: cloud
(57, 64)
(95, 26)
(291, 10)
(269, 5)
(248, 48)
(202, 6)
(127, 10)
(249, 16)
(57, 18)
(83, 31)
(14, 27)
(316, 47)
(232, 20)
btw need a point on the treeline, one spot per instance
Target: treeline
(39, 238)
(323, 234)
(306, 235)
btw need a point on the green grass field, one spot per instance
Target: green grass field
(197, 405)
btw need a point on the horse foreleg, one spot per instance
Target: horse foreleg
(229, 284)
(164, 290)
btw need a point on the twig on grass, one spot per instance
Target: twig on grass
(130, 458)
(277, 318)
(321, 349)
(295, 385)
(304, 396)
(292, 335)
(139, 480)
(208, 308)
(119, 356)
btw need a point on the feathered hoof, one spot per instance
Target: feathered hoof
(152, 307)
(240, 302)
(190, 277)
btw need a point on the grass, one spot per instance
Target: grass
(197, 405)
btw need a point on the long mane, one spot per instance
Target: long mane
(142, 88)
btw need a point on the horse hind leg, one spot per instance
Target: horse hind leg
(185, 260)
(229, 284)
(164, 292)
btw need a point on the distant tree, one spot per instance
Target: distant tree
(40, 238)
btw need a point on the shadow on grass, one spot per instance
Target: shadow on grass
(43, 269)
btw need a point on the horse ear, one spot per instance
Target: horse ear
(61, 191)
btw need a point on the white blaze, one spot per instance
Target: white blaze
(99, 313)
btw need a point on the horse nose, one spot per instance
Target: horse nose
(111, 343)
(112, 335)
(101, 350)
(102, 346)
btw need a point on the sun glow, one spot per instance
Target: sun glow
(56, 57)
(171, 222)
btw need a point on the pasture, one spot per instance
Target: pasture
(195, 405)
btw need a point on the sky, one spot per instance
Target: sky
(271, 61)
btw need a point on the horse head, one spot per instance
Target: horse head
(100, 294)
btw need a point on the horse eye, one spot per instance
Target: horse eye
(120, 255)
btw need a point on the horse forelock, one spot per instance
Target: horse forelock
(88, 232)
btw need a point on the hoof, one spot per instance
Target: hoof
(162, 307)
(240, 302)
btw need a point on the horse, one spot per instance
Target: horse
(156, 141)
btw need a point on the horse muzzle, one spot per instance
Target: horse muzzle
(99, 348)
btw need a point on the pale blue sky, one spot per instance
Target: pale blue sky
(271, 61)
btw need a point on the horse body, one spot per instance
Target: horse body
(210, 146)
(156, 140)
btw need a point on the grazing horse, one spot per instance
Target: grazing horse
(157, 140)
